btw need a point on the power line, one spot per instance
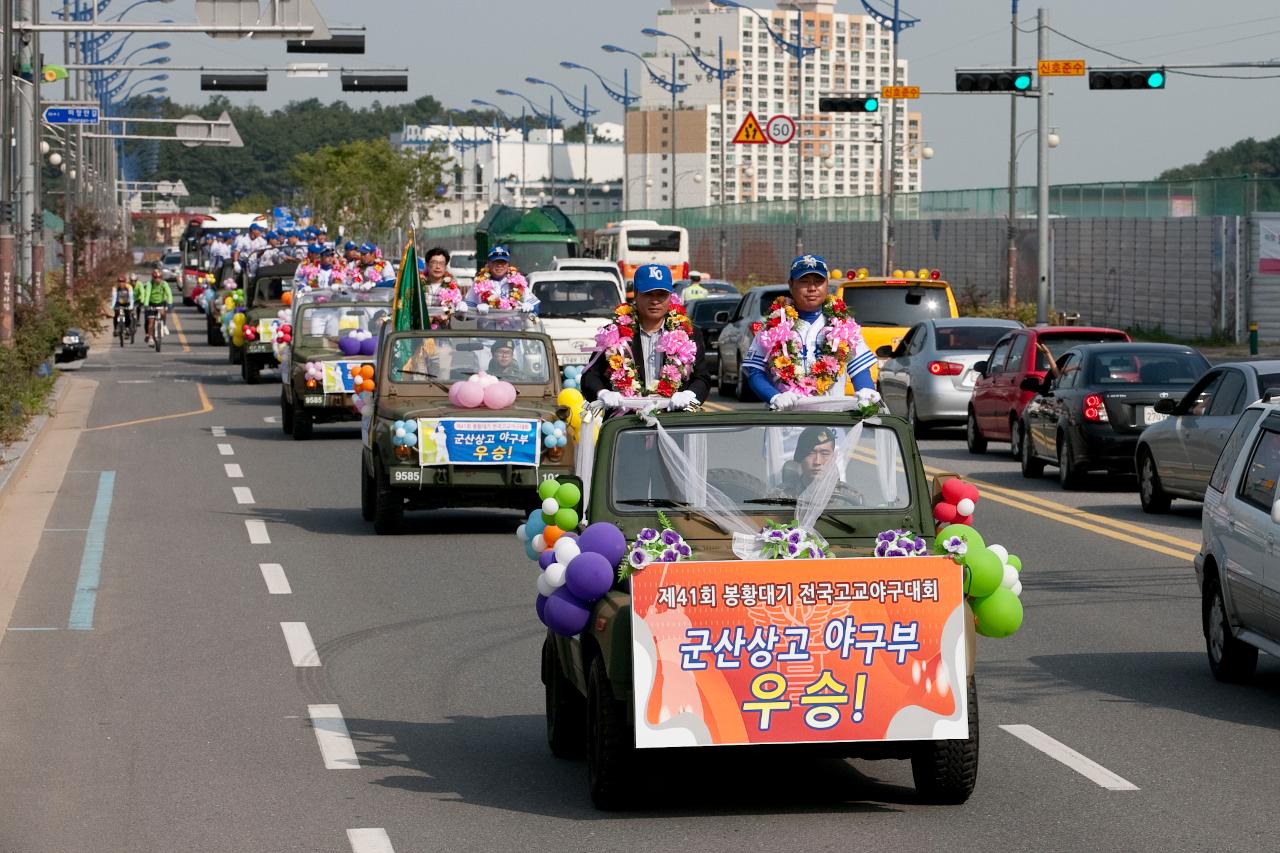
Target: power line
(1096, 49)
(1195, 31)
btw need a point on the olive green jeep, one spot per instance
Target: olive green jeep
(264, 298)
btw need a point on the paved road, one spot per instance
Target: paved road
(198, 693)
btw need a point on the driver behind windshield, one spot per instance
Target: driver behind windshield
(502, 362)
(815, 448)
(600, 297)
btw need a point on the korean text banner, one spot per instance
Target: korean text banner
(461, 441)
(337, 376)
(799, 651)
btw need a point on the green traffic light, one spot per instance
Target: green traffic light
(1155, 80)
(1022, 82)
(872, 105)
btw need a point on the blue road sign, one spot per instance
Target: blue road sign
(72, 115)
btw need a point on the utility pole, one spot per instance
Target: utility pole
(674, 172)
(1013, 167)
(1042, 173)
(7, 297)
(68, 197)
(586, 150)
(724, 240)
(37, 165)
(799, 66)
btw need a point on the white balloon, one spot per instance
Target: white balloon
(554, 574)
(521, 530)
(487, 379)
(544, 588)
(400, 433)
(566, 549)
(550, 506)
(1010, 577)
(965, 506)
(475, 377)
(1016, 589)
(539, 543)
(1000, 551)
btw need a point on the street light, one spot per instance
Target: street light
(584, 112)
(721, 74)
(551, 123)
(627, 100)
(463, 145)
(524, 136)
(669, 85)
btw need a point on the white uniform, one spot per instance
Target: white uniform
(811, 338)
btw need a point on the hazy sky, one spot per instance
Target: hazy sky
(457, 51)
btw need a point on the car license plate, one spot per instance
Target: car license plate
(260, 346)
(574, 358)
(406, 475)
(1151, 416)
(313, 400)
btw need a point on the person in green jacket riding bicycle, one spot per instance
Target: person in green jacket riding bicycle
(157, 294)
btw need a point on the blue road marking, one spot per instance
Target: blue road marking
(95, 542)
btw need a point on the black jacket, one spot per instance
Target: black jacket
(596, 377)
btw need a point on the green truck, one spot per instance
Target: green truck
(534, 236)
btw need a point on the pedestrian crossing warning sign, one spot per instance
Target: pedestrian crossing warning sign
(750, 133)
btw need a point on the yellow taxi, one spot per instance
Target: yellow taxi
(886, 308)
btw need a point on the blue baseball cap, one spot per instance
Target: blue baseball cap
(348, 246)
(368, 248)
(808, 265)
(313, 249)
(653, 277)
(271, 235)
(499, 253)
(255, 227)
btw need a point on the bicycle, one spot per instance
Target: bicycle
(156, 325)
(124, 324)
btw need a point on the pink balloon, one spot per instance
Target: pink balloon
(453, 394)
(470, 394)
(499, 395)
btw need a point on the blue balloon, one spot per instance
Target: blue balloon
(397, 425)
(529, 552)
(562, 440)
(547, 426)
(534, 525)
(396, 440)
(411, 426)
(549, 442)
(411, 439)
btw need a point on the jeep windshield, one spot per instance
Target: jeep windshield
(585, 298)
(759, 468)
(322, 326)
(425, 358)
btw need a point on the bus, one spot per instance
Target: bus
(194, 262)
(632, 243)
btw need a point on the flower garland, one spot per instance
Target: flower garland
(791, 542)
(784, 347)
(446, 299)
(653, 545)
(517, 291)
(900, 543)
(679, 351)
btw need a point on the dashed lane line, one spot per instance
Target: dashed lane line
(226, 450)
(302, 649)
(233, 470)
(336, 748)
(257, 529)
(218, 431)
(274, 577)
(369, 840)
(243, 495)
(1059, 751)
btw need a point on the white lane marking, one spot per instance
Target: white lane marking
(271, 419)
(257, 531)
(218, 432)
(243, 495)
(336, 748)
(369, 840)
(1059, 751)
(226, 450)
(134, 381)
(273, 574)
(302, 650)
(233, 470)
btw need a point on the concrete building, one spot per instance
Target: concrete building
(841, 153)
(491, 165)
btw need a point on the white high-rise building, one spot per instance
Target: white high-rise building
(841, 152)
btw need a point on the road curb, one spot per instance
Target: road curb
(11, 457)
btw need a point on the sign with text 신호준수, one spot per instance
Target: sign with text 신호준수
(463, 441)
(799, 651)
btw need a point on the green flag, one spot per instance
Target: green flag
(409, 309)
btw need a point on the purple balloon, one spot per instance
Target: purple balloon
(540, 604)
(589, 576)
(546, 558)
(565, 614)
(604, 539)
(349, 345)
(369, 346)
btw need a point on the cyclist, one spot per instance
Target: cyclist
(140, 295)
(160, 297)
(122, 299)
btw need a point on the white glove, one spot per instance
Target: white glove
(784, 402)
(683, 399)
(462, 307)
(611, 399)
(483, 308)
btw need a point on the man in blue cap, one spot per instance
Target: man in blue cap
(644, 355)
(351, 252)
(375, 269)
(811, 334)
(500, 286)
(293, 248)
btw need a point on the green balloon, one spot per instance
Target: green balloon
(1016, 562)
(548, 519)
(985, 572)
(567, 495)
(567, 519)
(999, 614)
(970, 536)
(547, 489)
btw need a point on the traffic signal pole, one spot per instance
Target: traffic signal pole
(1013, 168)
(1042, 172)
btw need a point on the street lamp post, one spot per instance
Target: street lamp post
(524, 138)
(551, 121)
(674, 88)
(721, 74)
(1012, 251)
(1052, 140)
(1042, 174)
(626, 99)
(584, 112)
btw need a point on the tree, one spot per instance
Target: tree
(1246, 157)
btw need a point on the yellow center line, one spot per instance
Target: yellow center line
(182, 337)
(205, 407)
(716, 407)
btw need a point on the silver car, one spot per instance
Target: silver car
(929, 376)
(738, 333)
(1176, 454)
(1238, 567)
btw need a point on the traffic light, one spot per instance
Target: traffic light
(367, 82)
(994, 79)
(1126, 78)
(848, 105)
(233, 82)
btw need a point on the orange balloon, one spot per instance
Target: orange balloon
(287, 297)
(368, 385)
(366, 370)
(550, 534)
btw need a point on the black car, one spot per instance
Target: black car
(710, 314)
(74, 347)
(1088, 414)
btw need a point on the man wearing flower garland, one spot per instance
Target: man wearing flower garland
(441, 290)
(650, 349)
(501, 287)
(808, 345)
(376, 269)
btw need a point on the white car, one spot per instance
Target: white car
(1238, 567)
(462, 266)
(573, 305)
(589, 265)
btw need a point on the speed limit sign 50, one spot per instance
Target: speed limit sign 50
(780, 129)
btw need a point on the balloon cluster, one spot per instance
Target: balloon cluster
(482, 389)
(250, 333)
(363, 402)
(358, 342)
(992, 579)
(959, 500)
(554, 434)
(362, 378)
(404, 433)
(284, 333)
(573, 377)
(314, 371)
(577, 569)
(235, 327)
(572, 399)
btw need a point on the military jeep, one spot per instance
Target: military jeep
(461, 457)
(264, 297)
(754, 460)
(320, 320)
